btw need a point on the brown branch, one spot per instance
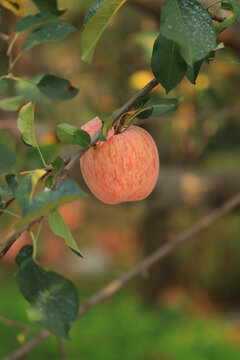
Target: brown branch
(9, 322)
(216, 17)
(70, 162)
(26, 348)
(141, 268)
(6, 204)
(62, 349)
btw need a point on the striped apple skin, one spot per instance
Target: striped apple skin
(124, 168)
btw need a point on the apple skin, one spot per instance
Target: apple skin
(124, 168)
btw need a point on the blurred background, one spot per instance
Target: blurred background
(187, 307)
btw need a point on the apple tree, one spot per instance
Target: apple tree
(186, 40)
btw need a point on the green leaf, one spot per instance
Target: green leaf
(12, 103)
(46, 201)
(60, 228)
(65, 133)
(49, 181)
(189, 24)
(50, 32)
(96, 25)
(82, 138)
(49, 6)
(230, 20)
(53, 299)
(7, 159)
(225, 5)
(3, 85)
(57, 163)
(33, 21)
(57, 88)
(235, 4)
(192, 72)
(160, 106)
(12, 183)
(107, 124)
(7, 140)
(24, 192)
(167, 63)
(25, 123)
(9, 190)
(92, 11)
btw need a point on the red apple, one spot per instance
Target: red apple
(124, 168)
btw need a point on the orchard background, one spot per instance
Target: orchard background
(187, 305)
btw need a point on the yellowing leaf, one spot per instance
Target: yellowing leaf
(15, 6)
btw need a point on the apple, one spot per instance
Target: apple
(124, 168)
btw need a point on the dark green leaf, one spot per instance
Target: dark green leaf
(96, 25)
(167, 63)
(49, 181)
(7, 159)
(47, 200)
(92, 11)
(12, 103)
(230, 20)
(226, 6)
(33, 21)
(60, 228)
(25, 123)
(1, 203)
(139, 104)
(12, 183)
(53, 299)
(49, 6)
(82, 138)
(7, 140)
(3, 85)
(160, 106)
(189, 24)
(57, 88)
(23, 192)
(192, 72)
(57, 162)
(50, 32)
(65, 133)
(235, 5)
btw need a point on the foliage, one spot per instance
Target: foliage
(186, 41)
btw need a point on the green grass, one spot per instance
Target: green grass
(124, 328)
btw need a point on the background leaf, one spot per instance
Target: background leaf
(46, 201)
(167, 63)
(92, 11)
(7, 159)
(48, 6)
(60, 228)
(235, 7)
(33, 21)
(189, 24)
(53, 298)
(15, 6)
(24, 191)
(51, 32)
(96, 25)
(57, 88)
(3, 85)
(12, 103)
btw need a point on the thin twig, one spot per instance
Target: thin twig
(62, 349)
(26, 348)
(6, 204)
(9, 322)
(142, 267)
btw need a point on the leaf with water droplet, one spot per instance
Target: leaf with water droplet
(53, 299)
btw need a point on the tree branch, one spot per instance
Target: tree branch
(144, 265)
(70, 162)
(9, 322)
(6, 204)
